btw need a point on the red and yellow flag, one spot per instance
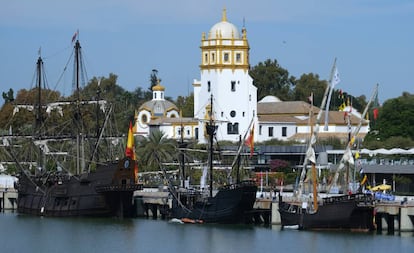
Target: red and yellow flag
(250, 141)
(130, 149)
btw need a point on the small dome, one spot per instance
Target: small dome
(158, 87)
(270, 99)
(224, 29)
(158, 107)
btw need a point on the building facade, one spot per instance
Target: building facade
(225, 93)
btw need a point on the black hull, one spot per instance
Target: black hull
(354, 212)
(230, 205)
(104, 193)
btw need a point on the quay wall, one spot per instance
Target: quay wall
(8, 199)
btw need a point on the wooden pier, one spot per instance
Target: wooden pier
(153, 204)
(8, 199)
(394, 216)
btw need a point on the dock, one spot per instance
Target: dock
(8, 199)
(390, 216)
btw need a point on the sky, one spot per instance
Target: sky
(372, 40)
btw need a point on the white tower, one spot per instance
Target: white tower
(225, 77)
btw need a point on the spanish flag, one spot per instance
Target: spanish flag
(250, 141)
(130, 149)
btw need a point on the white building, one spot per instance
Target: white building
(157, 108)
(225, 79)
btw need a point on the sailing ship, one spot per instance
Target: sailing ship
(100, 188)
(231, 204)
(343, 211)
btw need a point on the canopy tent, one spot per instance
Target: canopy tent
(383, 151)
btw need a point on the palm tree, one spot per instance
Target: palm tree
(156, 149)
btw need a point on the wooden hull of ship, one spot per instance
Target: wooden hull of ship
(353, 212)
(104, 193)
(231, 205)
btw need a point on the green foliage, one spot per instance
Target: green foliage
(307, 84)
(186, 105)
(394, 127)
(153, 79)
(335, 142)
(271, 79)
(8, 97)
(155, 150)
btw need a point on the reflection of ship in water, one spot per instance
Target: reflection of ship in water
(230, 204)
(65, 184)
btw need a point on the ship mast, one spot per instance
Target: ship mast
(39, 115)
(211, 130)
(347, 156)
(315, 132)
(77, 117)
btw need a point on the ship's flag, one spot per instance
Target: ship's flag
(375, 107)
(130, 148)
(364, 179)
(75, 35)
(334, 81)
(250, 141)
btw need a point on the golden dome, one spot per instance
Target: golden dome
(158, 87)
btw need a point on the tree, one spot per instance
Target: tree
(8, 97)
(154, 150)
(307, 84)
(271, 79)
(186, 105)
(394, 126)
(396, 117)
(154, 79)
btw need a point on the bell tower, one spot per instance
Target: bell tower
(225, 77)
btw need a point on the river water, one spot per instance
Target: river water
(22, 233)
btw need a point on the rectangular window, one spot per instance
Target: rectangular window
(226, 57)
(284, 131)
(208, 86)
(270, 131)
(232, 128)
(233, 85)
(260, 130)
(238, 57)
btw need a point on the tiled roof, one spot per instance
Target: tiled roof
(297, 112)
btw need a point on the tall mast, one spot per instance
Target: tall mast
(315, 132)
(79, 135)
(182, 145)
(39, 116)
(211, 129)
